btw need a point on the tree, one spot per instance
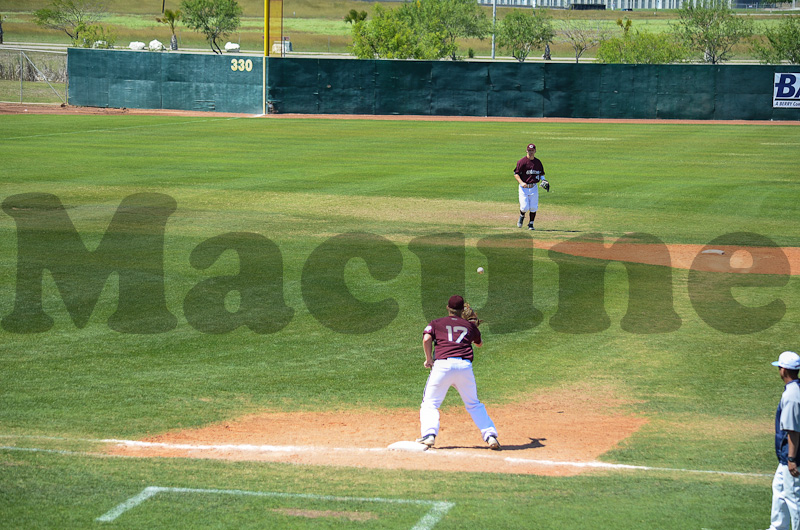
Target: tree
(421, 29)
(171, 18)
(391, 34)
(712, 28)
(73, 17)
(97, 36)
(523, 31)
(640, 47)
(783, 42)
(454, 19)
(581, 35)
(214, 18)
(384, 36)
(355, 16)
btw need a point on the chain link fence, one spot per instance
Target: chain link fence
(33, 76)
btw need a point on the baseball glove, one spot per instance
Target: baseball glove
(546, 185)
(469, 314)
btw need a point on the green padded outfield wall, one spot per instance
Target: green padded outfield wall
(701, 92)
(160, 80)
(232, 83)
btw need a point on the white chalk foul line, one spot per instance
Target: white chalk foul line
(449, 454)
(429, 453)
(38, 450)
(247, 448)
(605, 465)
(437, 511)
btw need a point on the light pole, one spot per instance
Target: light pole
(494, 23)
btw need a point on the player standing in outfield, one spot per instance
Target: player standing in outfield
(529, 172)
(447, 343)
(786, 484)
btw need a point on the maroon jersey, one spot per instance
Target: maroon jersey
(530, 171)
(453, 337)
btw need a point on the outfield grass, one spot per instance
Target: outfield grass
(709, 396)
(72, 491)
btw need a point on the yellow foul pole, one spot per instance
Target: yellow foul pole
(264, 59)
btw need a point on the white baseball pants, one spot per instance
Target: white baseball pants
(785, 499)
(455, 372)
(529, 199)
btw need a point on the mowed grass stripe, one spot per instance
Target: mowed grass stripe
(650, 169)
(58, 490)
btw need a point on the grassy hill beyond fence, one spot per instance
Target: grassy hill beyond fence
(312, 25)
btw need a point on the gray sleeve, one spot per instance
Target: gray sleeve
(790, 416)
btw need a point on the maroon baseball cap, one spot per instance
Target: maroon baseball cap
(531, 146)
(456, 302)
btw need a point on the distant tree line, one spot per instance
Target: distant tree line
(79, 19)
(708, 30)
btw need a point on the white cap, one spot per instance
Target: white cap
(789, 360)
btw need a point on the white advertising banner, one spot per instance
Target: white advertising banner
(786, 91)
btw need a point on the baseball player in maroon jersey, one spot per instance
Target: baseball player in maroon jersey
(530, 175)
(448, 344)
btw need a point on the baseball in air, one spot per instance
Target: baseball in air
(480, 270)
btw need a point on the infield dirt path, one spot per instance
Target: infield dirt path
(537, 433)
(22, 108)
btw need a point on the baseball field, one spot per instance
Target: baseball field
(227, 332)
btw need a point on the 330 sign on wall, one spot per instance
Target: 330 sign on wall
(241, 65)
(786, 92)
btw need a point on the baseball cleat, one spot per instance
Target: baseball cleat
(428, 440)
(530, 226)
(494, 445)
(521, 220)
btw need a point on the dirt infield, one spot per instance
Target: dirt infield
(22, 108)
(25, 108)
(544, 435)
(724, 258)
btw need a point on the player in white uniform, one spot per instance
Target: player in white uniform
(529, 173)
(447, 343)
(786, 483)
